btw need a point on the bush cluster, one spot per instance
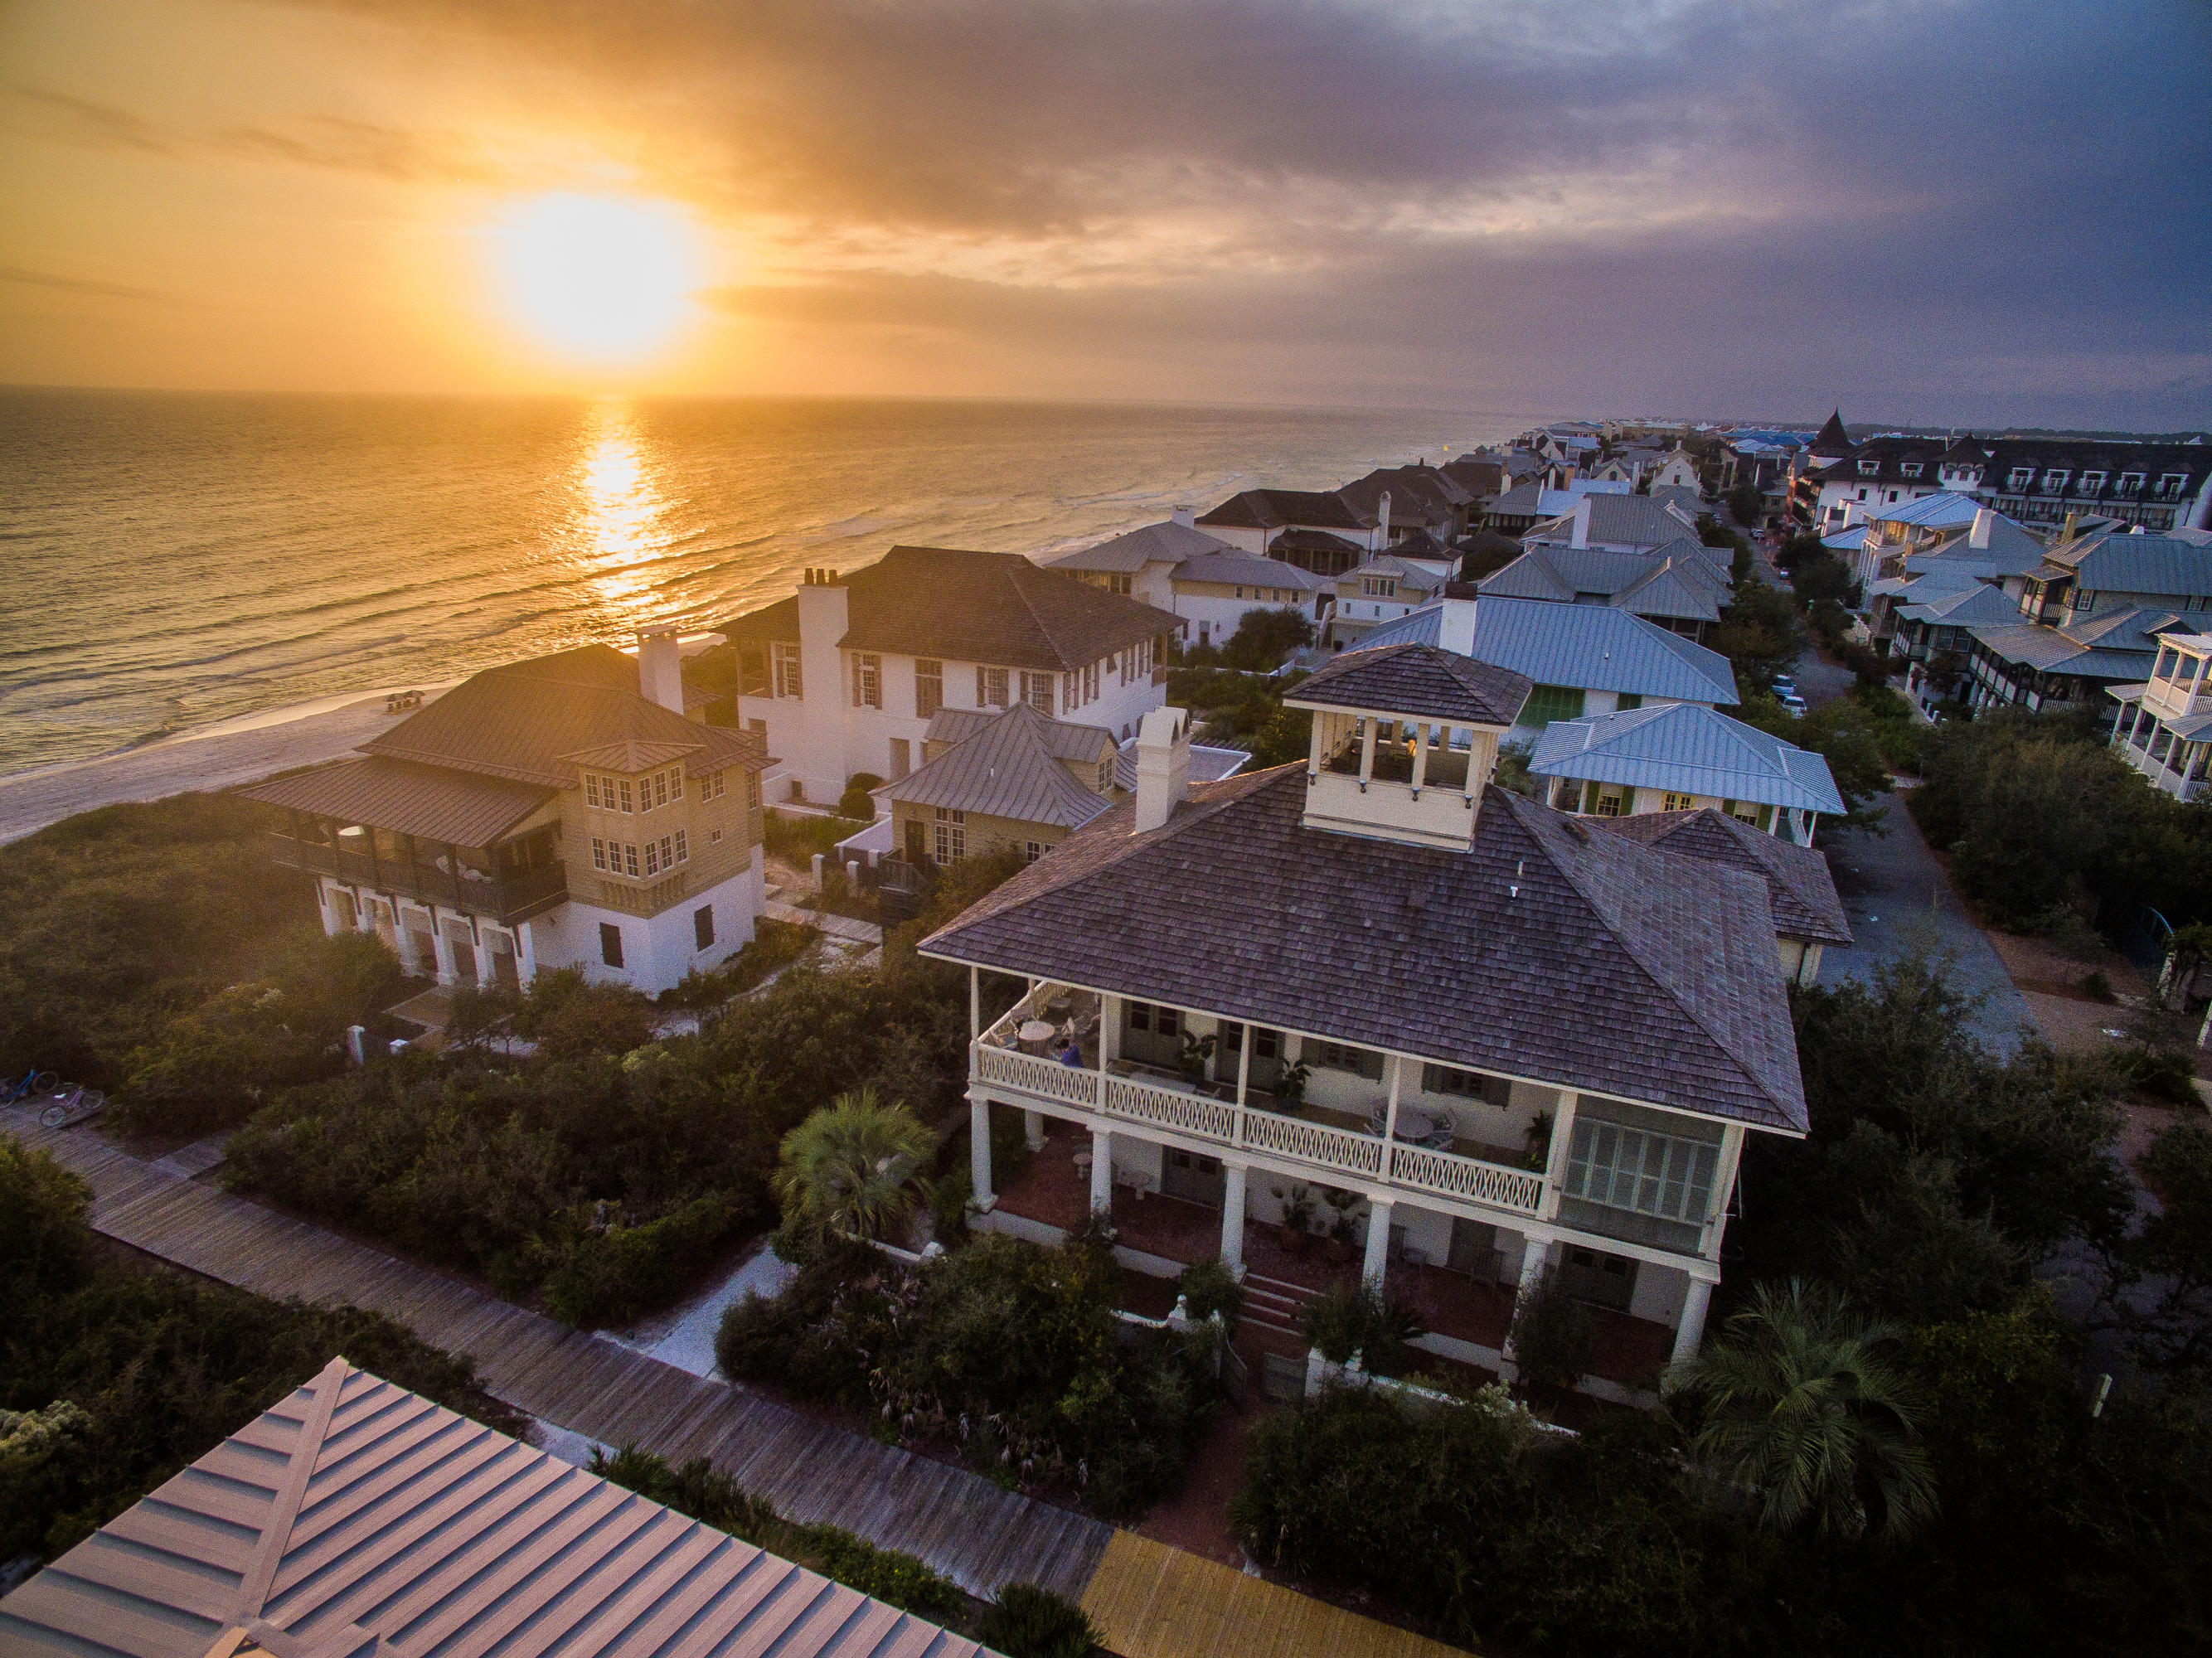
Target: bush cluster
(1006, 1351)
(1244, 711)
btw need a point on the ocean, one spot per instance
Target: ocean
(173, 559)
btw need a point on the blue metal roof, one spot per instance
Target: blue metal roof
(1688, 750)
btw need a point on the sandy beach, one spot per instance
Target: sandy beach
(219, 757)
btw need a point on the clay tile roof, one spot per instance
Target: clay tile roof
(429, 802)
(1545, 951)
(354, 1519)
(997, 607)
(1800, 890)
(1419, 680)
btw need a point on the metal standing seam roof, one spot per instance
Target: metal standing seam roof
(1150, 543)
(1006, 771)
(1545, 951)
(2137, 564)
(1800, 890)
(1064, 739)
(2117, 650)
(354, 1519)
(1207, 765)
(1647, 584)
(1233, 566)
(1979, 603)
(1389, 564)
(1636, 519)
(1944, 510)
(954, 605)
(1421, 680)
(1593, 646)
(432, 802)
(1686, 749)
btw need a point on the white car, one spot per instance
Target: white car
(1792, 701)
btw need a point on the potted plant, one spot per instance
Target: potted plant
(1297, 1217)
(1192, 1057)
(1540, 1143)
(1342, 1231)
(1291, 1089)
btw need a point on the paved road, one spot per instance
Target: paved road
(1898, 899)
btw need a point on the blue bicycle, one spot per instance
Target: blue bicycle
(35, 1084)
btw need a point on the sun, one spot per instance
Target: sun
(607, 279)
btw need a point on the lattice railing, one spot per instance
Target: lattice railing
(1034, 1074)
(1170, 1108)
(1313, 1142)
(1449, 1173)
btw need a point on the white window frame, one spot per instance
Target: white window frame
(867, 680)
(788, 675)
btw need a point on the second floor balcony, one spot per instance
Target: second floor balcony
(508, 896)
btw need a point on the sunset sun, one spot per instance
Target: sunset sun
(607, 278)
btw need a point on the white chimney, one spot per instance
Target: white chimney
(1582, 521)
(1455, 626)
(1386, 521)
(1163, 766)
(661, 668)
(1985, 520)
(1185, 516)
(1853, 512)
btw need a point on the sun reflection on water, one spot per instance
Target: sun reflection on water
(622, 511)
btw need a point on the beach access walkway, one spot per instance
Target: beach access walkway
(1150, 1601)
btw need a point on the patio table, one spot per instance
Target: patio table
(1034, 1035)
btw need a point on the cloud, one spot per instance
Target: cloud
(27, 278)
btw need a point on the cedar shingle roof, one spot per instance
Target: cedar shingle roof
(1419, 680)
(1546, 952)
(1274, 509)
(354, 1519)
(996, 608)
(1150, 543)
(526, 721)
(431, 803)
(1800, 890)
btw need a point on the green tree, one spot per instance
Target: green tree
(1264, 638)
(1804, 1411)
(855, 1168)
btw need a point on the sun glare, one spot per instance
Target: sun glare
(605, 278)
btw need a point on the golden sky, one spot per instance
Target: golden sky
(1655, 205)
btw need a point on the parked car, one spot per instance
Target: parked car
(1792, 701)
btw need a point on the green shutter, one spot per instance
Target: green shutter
(1549, 703)
(1628, 699)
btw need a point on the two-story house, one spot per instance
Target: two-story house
(1509, 1046)
(1315, 521)
(1211, 584)
(1381, 589)
(1682, 586)
(1882, 471)
(556, 812)
(844, 676)
(2163, 726)
(1677, 758)
(1141, 563)
(1615, 524)
(2160, 486)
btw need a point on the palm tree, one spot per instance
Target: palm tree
(853, 1167)
(1803, 1410)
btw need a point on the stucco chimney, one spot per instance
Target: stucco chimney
(1163, 766)
(1385, 517)
(660, 669)
(1985, 520)
(1185, 516)
(1455, 626)
(1582, 522)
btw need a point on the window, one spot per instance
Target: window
(752, 790)
(625, 794)
(1626, 700)
(675, 782)
(2130, 483)
(702, 927)
(1467, 1084)
(2092, 483)
(1673, 802)
(1031, 850)
(1633, 1169)
(1749, 811)
(1379, 586)
(990, 687)
(611, 944)
(713, 786)
(1036, 691)
(1549, 703)
(629, 858)
(1607, 800)
(1868, 468)
(667, 852)
(714, 837)
(660, 789)
(788, 680)
(590, 788)
(651, 858)
(1118, 583)
(2020, 478)
(1338, 1056)
(599, 853)
(1090, 683)
(867, 680)
(1160, 1021)
(2054, 479)
(928, 687)
(2171, 485)
(1910, 469)
(951, 835)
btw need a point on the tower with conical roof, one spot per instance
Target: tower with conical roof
(1833, 442)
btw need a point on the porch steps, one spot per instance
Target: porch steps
(1273, 1303)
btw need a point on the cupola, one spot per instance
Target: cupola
(1404, 739)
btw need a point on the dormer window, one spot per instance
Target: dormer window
(1379, 586)
(1910, 469)
(2131, 483)
(2092, 483)
(2170, 486)
(1868, 468)
(2022, 477)
(2054, 480)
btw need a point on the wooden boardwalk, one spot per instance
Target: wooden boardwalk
(961, 1525)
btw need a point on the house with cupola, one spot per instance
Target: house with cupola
(1482, 1043)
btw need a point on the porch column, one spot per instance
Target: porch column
(979, 1150)
(1232, 1216)
(1691, 1329)
(1102, 1171)
(1378, 1243)
(1390, 1115)
(975, 1003)
(1033, 1129)
(1534, 1262)
(441, 948)
(1555, 1166)
(485, 977)
(526, 951)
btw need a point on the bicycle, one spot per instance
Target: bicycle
(34, 1082)
(73, 1106)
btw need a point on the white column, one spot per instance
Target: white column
(1101, 1172)
(1232, 1216)
(526, 951)
(441, 947)
(1691, 1329)
(975, 1003)
(1555, 1167)
(1033, 1129)
(1378, 1243)
(979, 1150)
(1534, 1261)
(485, 977)
(1390, 1115)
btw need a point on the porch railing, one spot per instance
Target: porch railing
(1201, 1116)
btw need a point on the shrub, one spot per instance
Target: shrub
(612, 1277)
(2094, 985)
(796, 840)
(1356, 1317)
(1551, 1334)
(1026, 1621)
(2161, 1073)
(857, 802)
(1209, 1287)
(569, 1017)
(1264, 638)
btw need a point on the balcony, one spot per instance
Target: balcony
(1297, 1137)
(507, 899)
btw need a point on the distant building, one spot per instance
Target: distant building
(1615, 523)
(1382, 588)
(1883, 471)
(553, 813)
(1681, 587)
(2162, 487)
(2163, 726)
(1211, 584)
(844, 676)
(1677, 469)
(1535, 500)
(1256, 520)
